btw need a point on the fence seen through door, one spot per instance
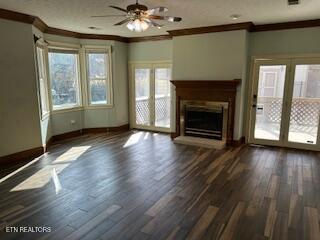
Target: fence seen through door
(152, 96)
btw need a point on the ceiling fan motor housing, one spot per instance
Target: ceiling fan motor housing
(293, 2)
(135, 7)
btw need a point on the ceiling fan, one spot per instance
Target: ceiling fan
(139, 18)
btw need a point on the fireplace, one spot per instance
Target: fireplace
(204, 119)
(205, 112)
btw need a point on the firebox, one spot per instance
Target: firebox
(204, 121)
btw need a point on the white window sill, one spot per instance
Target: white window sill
(69, 109)
(99, 106)
(78, 108)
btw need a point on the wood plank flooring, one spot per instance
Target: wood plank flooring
(140, 185)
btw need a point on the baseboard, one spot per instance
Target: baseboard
(173, 135)
(80, 132)
(20, 156)
(239, 142)
(106, 129)
(65, 136)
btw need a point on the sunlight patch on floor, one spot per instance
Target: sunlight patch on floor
(133, 139)
(44, 175)
(56, 180)
(20, 169)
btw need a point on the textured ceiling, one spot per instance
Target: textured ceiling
(74, 15)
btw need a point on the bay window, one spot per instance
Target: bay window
(67, 81)
(64, 78)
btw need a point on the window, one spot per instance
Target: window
(269, 84)
(64, 78)
(99, 77)
(44, 106)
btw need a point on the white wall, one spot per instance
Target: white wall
(150, 51)
(19, 115)
(293, 41)
(213, 56)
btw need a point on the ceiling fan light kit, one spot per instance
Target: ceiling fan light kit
(137, 25)
(140, 18)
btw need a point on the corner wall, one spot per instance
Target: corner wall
(19, 114)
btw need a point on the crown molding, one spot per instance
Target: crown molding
(149, 38)
(15, 16)
(248, 26)
(43, 27)
(286, 25)
(103, 37)
(210, 29)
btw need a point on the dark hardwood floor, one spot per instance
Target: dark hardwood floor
(140, 185)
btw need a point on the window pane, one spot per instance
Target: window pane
(269, 102)
(142, 96)
(64, 79)
(305, 106)
(97, 74)
(42, 81)
(162, 97)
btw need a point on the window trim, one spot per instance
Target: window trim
(43, 46)
(72, 48)
(87, 49)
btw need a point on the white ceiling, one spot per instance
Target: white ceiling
(74, 15)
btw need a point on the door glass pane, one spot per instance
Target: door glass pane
(305, 106)
(269, 102)
(142, 96)
(162, 97)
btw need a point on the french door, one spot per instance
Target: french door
(285, 103)
(150, 96)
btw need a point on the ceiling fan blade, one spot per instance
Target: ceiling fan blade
(120, 15)
(156, 10)
(118, 8)
(153, 23)
(168, 18)
(122, 22)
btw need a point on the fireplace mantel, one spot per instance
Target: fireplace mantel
(204, 90)
(226, 85)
